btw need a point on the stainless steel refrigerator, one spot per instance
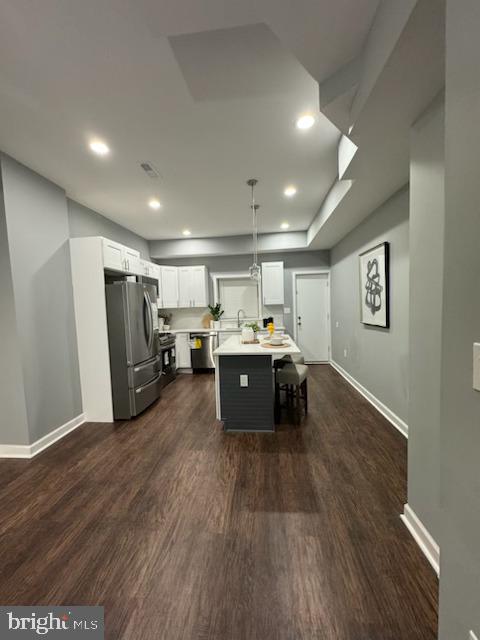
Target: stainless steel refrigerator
(135, 362)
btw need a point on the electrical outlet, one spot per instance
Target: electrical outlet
(345, 353)
(243, 380)
(287, 310)
(472, 636)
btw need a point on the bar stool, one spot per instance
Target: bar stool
(295, 358)
(291, 378)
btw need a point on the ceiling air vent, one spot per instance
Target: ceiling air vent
(150, 170)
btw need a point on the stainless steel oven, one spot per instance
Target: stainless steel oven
(168, 358)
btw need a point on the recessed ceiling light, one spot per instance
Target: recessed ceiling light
(306, 121)
(154, 204)
(284, 225)
(290, 191)
(187, 232)
(99, 147)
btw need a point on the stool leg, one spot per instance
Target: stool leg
(305, 395)
(298, 404)
(277, 403)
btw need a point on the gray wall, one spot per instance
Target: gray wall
(37, 228)
(377, 358)
(13, 423)
(227, 245)
(427, 216)
(292, 261)
(460, 406)
(84, 222)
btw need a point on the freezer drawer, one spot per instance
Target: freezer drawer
(142, 397)
(140, 374)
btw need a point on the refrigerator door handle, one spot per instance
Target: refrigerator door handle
(148, 301)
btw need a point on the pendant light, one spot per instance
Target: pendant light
(254, 270)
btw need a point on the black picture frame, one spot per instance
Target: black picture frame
(375, 286)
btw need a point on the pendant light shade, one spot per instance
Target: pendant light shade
(254, 269)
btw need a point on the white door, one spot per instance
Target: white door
(312, 316)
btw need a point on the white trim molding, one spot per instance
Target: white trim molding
(31, 450)
(422, 537)
(387, 413)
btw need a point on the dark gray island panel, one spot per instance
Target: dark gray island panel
(247, 408)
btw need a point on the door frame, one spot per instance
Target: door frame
(311, 272)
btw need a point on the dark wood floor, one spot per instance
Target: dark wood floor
(184, 532)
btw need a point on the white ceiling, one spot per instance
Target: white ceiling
(206, 91)
(403, 90)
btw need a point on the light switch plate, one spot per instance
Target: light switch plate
(244, 380)
(337, 324)
(476, 366)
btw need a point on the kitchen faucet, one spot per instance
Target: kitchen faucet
(238, 317)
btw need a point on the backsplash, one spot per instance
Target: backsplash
(192, 318)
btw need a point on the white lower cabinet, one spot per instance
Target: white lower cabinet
(182, 351)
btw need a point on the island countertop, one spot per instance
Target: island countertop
(234, 347)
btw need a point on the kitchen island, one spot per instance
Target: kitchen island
(244, 384)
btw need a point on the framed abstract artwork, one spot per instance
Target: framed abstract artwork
(374, 286)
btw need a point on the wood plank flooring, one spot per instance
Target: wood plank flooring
(184, 532)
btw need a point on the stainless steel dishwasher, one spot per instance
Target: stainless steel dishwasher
(202, 346)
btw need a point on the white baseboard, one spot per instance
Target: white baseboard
(387, 413)
(31, 450)
(422, 537)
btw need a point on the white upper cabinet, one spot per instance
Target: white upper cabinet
(133, 260)
(193, 286)
(149, 269)
(199, 283)
(113, 255)
(272, 283)
(169, 287)
(118, 257)
(184, 287)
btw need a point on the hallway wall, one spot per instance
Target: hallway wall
(38, 244)
(377, 358)
(427, 219)
(460, 404)
(84, 222)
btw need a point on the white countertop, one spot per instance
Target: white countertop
(233, 347)
(203, 330)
